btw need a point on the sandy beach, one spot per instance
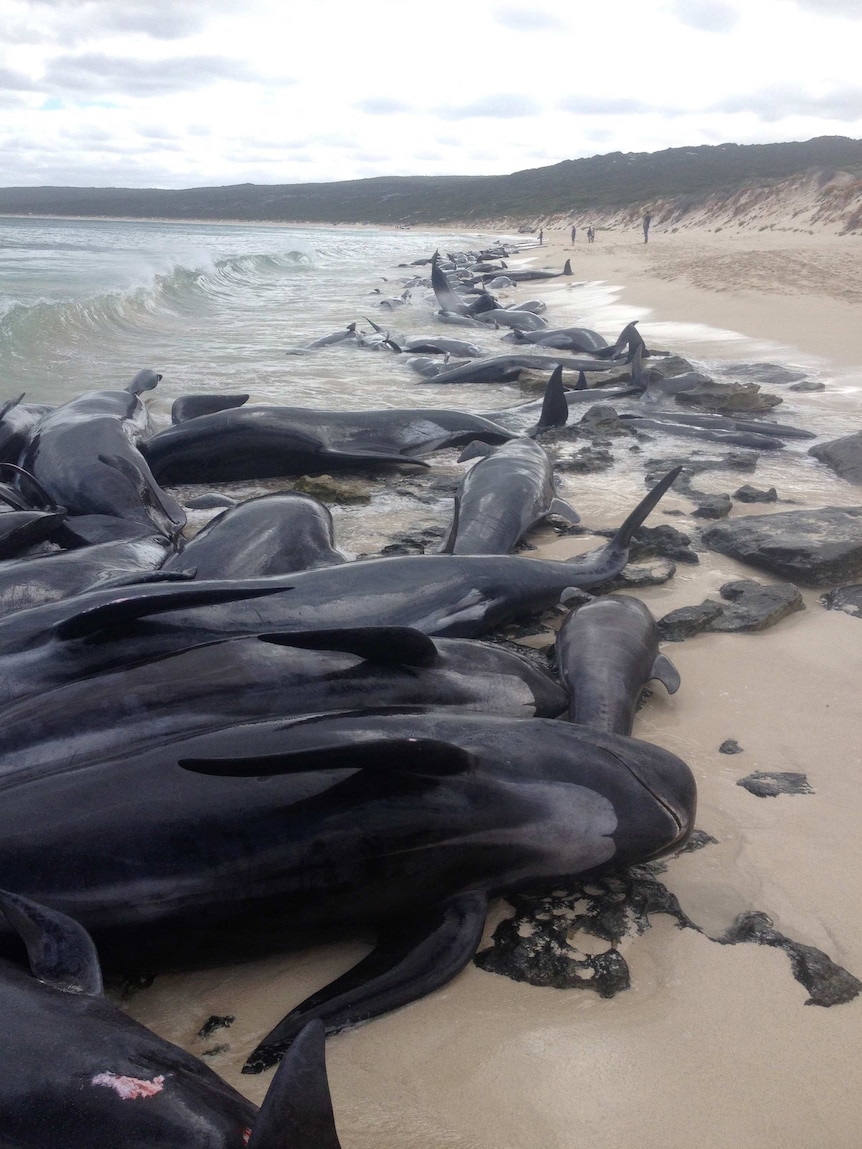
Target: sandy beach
(714, 1044)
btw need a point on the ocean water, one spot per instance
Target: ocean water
(228, 308)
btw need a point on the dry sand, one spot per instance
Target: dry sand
(713, 1045)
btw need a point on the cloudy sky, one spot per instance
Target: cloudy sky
(190, 93)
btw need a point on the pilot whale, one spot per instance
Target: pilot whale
(508, 491)
(272, 832)
(77, 1071)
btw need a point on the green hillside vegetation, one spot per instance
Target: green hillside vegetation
(605, 182)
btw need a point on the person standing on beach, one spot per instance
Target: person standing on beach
(647, 222)
(541, 237)
(574, 233)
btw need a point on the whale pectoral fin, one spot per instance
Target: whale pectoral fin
(417, 757)
(563, 510)
(665, 671)
(390, 645)
(297, 1110)
(60, 951)
(413, 957)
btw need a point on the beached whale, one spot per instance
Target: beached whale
(402, 822)
(77, 1071)
(266, 441)
(501, 497)
(268, 535)
(29, 582)
(607, 651)
(83, 454)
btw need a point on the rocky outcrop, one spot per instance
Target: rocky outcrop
(844, 456)
(816, 547)
(748, 606)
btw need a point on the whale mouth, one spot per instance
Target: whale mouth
(671, 785)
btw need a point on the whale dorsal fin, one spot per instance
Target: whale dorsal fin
(60, 951)
(555, 409)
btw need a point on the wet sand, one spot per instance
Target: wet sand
(713, 1045)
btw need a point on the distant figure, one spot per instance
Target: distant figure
(574, 233)
(541, 237)
(591, 235)
(647, 222)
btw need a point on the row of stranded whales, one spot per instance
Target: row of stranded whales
(456, 596)
(75, 1070)
(274, 743)
(224, 682)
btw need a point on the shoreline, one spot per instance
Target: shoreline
(714, 1044)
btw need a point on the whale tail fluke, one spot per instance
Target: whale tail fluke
(623, 537)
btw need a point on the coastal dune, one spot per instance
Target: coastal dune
(716, 1042)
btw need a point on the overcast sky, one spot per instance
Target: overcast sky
(190, 93)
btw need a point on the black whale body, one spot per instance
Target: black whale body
(76, 1071)
(268, 441)
(219, 684)
(83, 454)
(402, 822)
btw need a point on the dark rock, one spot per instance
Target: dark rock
(748, 494)
(214, 1022)
(730, 746)
(600, 419)
(587, 461)
(770, 783)
(748, 606)
(712, 507)
(728, 398)
(846, 598)
(771, 373)
(680, 624)
(672, 365)
(817, 547)
(664, 541)
(844, 456)
(327, 489)
(827, 983)
(754, 606)
(807, 385)
(536, 945)
(697, 841)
